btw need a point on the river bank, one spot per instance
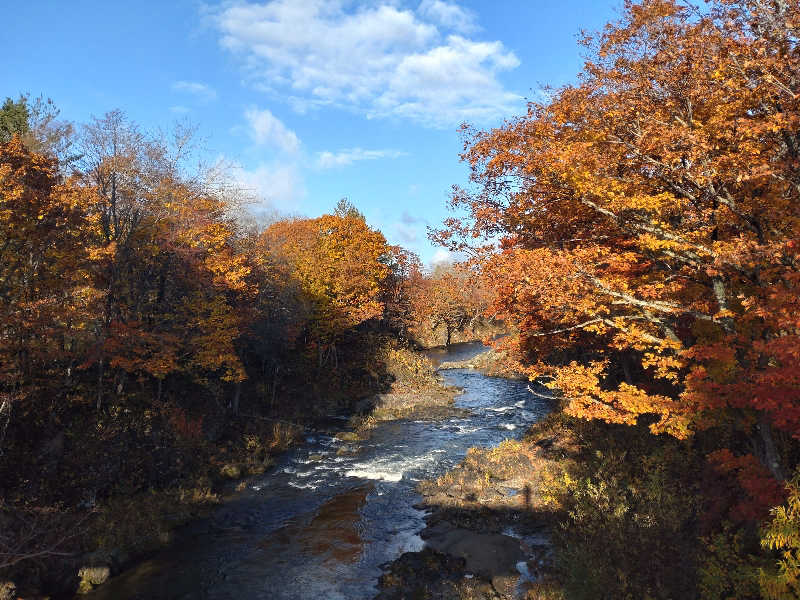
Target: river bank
(491, 362)
(144, 525)
(488, 524)
(126, 531)
(322, 521)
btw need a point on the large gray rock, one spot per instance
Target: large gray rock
(487, 554)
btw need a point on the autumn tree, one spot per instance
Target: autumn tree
(37, 123)
(164, 260)
(46, 289)
(650, 213)
(340, 265)
(450, 299)
(400, 288)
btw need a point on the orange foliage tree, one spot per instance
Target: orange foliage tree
(46, 291)
(449, 299)
(340, 264)
(400, 288)
(642, 227)
(165, 261)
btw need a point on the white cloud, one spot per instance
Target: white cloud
(448, 14)
(442, 255)
(381, 60)
(202, 91)
(456, 79)
(277, 186)
(344, 158)
(267, 129)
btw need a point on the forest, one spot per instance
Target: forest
(635, 236)
(151, 334)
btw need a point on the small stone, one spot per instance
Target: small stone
(8, 590)
(231, 471)
(92, 576)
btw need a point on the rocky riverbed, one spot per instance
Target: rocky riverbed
(486, 534)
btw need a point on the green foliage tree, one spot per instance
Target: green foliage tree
(14, 118)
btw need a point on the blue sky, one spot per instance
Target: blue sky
(312, 100)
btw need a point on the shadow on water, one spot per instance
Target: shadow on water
(325, 519)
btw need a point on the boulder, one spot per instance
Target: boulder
(487, 554)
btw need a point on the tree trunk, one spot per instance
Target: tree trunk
(236, 396)
(99, 384)
(768, 452)
(274, 386)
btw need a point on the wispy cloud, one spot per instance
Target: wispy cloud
(406, 233)
(201, 91)
(449, 14)
(344, 158)
(266, 129)
(381, 60)
(273, 185)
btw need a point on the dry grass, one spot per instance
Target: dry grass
(544, 590)
(411, 371)
(283, 436)
(143, 522)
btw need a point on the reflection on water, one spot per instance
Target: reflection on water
(334, 534)
(320, 524)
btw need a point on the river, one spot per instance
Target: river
(320, 523)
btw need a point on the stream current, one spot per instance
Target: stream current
(319, 524)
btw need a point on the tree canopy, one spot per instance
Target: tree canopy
(647, 220)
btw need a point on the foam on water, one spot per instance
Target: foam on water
(375, 475)
(464, 429)
(406, 541)
(393, 467)
(305, 486)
